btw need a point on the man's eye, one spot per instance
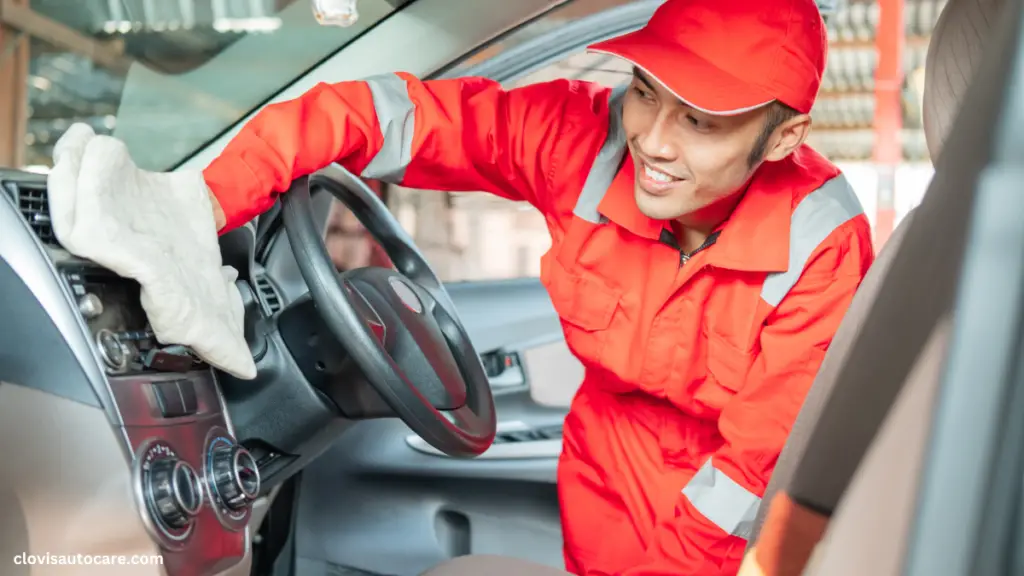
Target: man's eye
(696, 122)
(640, 92)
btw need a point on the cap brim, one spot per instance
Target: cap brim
(691, 78)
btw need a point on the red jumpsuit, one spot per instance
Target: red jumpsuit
(695, 370)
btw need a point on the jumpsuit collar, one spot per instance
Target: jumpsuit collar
(754, 238)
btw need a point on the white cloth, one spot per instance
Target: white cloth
(158, 229)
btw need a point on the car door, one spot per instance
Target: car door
(380, 500)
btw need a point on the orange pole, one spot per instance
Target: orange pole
(888, 149)
(14, 55)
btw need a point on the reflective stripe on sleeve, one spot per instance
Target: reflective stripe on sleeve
(396, 116)
(606, 165)
(721, 500)
(813, 220)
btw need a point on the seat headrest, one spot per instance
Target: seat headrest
(954, 53)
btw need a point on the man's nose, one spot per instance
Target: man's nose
(656, 143)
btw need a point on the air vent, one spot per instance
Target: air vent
(35, 208)
(268, 294)
(495, 363)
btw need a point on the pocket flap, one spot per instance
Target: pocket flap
(727, 364)
(582, 300)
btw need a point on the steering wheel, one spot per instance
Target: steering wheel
(401, 328)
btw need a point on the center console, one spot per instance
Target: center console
(193, 482)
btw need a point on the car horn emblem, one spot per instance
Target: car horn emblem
(406, 295)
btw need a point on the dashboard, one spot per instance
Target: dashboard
(145, 448)
(78, 333)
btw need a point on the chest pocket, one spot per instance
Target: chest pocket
(727, 369)
(586, 304)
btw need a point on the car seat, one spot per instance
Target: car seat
(954, 50)
(889, 351)
(889, 344)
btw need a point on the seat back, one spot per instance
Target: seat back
(954, 55)
(930, 496)
(824, 383)
(867, 532)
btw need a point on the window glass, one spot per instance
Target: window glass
(573, 10)
(165, 76)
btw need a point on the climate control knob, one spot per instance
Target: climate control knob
(174, 491)
(114, 353)
(235, 476)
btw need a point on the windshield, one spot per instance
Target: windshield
(165, 76)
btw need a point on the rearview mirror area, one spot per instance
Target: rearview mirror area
(342, 13)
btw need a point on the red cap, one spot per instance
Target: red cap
(730, 56)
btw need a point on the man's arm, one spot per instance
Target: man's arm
(459, 134)
(715, 510)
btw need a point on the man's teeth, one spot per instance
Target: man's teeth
(657, 176)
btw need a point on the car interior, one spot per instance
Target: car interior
(395, 425)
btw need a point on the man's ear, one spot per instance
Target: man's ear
(788, 137)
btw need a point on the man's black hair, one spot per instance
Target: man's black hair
(778, 114)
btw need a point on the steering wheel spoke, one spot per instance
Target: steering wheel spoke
(463, 418)
(411, 336)
(372, 321)
(400, 327)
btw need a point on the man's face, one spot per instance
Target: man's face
(687, 162)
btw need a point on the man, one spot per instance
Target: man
(702, 255)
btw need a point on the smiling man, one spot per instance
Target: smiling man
(702, 254)
(695, 177)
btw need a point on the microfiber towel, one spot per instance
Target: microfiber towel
(157, 229)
